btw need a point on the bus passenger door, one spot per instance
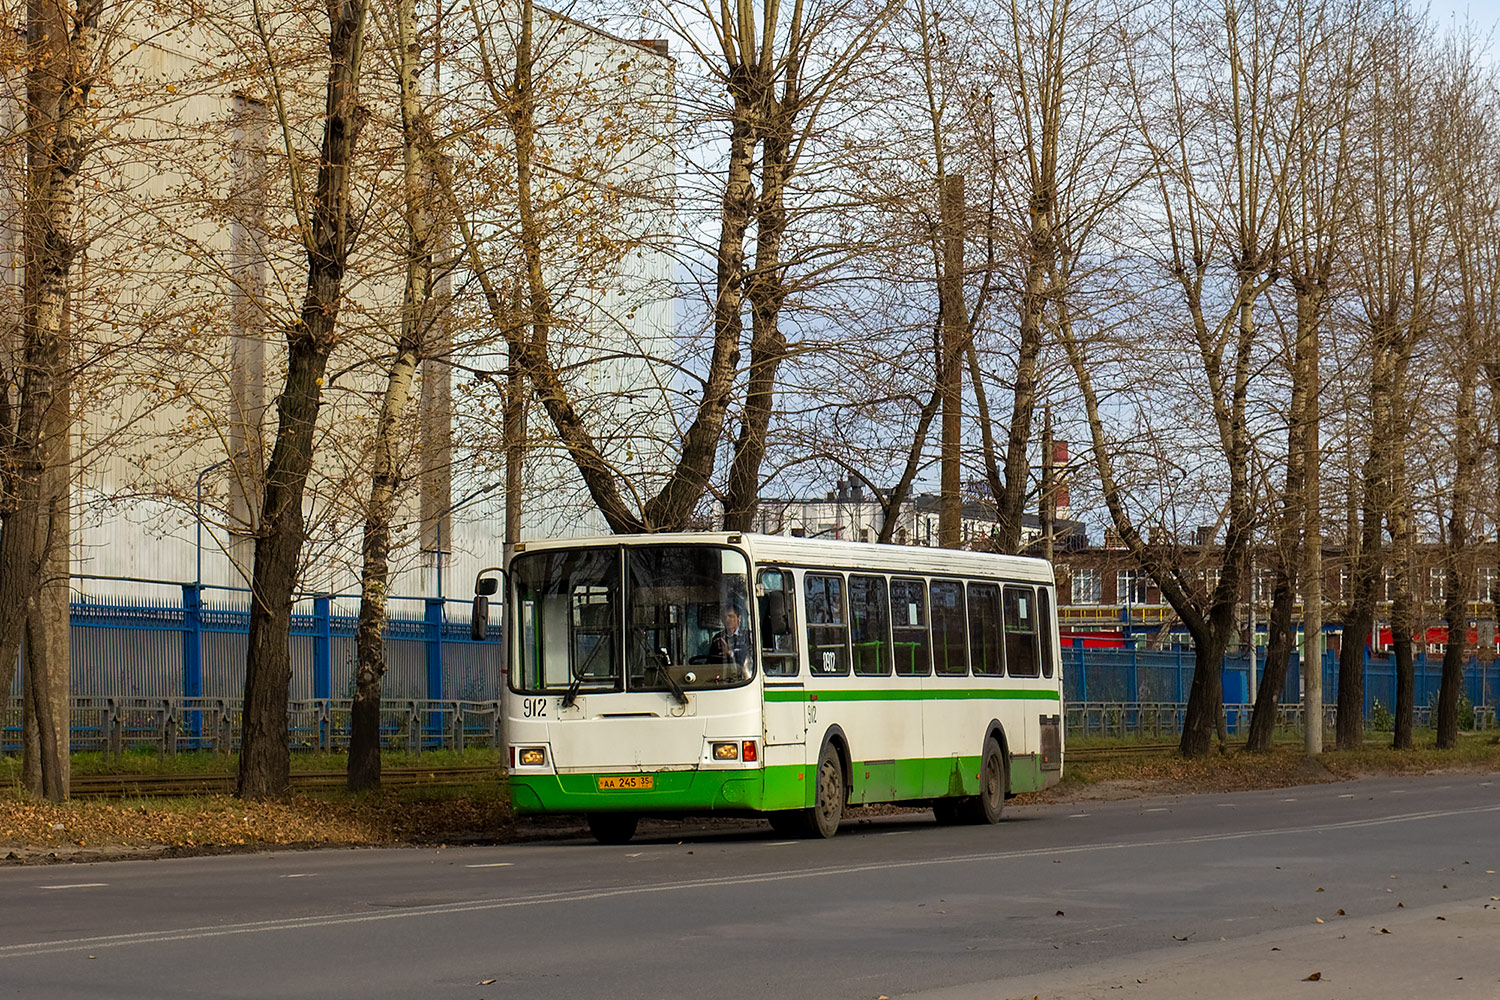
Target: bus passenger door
(785, 702)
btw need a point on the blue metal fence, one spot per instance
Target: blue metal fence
(194, 647)
(1137, 675)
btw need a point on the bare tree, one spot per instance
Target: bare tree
(416, 316)
(327, 234)
(1313, 132)
(1390, 263)
(64, 53)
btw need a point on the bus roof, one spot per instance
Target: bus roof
(828, 552)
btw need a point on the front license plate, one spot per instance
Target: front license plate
(625, 781)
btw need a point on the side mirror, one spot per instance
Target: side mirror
(486, 585)
(776, 620)
(479, 618)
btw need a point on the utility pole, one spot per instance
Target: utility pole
(1048, 511)
(955, 320)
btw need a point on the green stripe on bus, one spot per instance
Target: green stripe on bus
(786, 786)
(935, 694)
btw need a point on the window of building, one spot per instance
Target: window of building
(913, 646)
(1437, 580)
(1088, 586)
(1486, 583)
(1211, 577)
(827, 625)
(870, 625)
(950, 647)
(1130, 586)
(1021, 655)
(985, 648)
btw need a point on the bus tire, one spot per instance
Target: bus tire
(829, 795)
(613, 828)
(994, 778)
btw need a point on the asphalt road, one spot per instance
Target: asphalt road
(1223, 895)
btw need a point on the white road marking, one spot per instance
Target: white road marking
(688, 885)
(508, 864)
(1226, 805)
(76, 885)
(1158, 809)
(301, 875)
(1078, 816)
(896, 833)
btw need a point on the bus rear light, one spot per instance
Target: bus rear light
(748, 754)
(533, 756)
(726, 751)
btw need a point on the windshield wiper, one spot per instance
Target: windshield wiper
(666, 673)
(578, 675)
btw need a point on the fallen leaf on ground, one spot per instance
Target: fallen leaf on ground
(1341, 912)
(1312, 978)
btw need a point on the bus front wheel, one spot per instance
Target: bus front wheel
(828, 801)
(613, 828)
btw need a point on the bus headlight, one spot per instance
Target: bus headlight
(532, 756)
(726, 751)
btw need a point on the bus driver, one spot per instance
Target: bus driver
(733, 640)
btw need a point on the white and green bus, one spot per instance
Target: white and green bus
(684, 674)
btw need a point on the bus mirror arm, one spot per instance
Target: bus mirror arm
(479, 615)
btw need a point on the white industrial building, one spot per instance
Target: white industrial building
(194, 262)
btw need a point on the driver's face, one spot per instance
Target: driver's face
(731, 620)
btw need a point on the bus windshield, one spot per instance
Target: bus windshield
(643, 618)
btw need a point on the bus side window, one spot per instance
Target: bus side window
(1020, 631)
(869, 622)
(913, 646)
(778, 640)
(1044, 626)
(984, 630)
(827, 625)
(950, 647)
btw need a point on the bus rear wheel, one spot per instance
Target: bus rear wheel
(613, 828)
(989, 805)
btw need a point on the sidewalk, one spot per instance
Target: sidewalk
(1455, 958)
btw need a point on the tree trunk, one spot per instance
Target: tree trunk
(1458, 575)
(46, 763)
(62, 53)
(363, 769)
(1369, 561)
(1403, 625)
(1280, 641)
(766, 289)
(265, 756)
